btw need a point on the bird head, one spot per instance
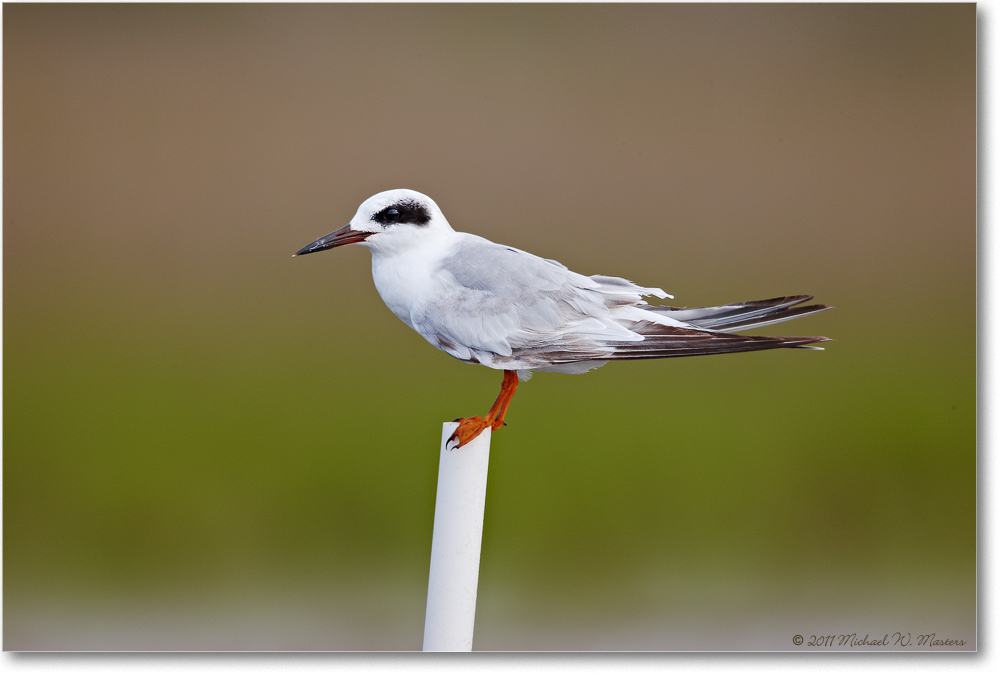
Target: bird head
(389, 221)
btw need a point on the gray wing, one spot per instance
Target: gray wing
(499, 299)
(508, 308)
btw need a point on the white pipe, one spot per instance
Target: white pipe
(456, 544)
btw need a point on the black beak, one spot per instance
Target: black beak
(344, 235)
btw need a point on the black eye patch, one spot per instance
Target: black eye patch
(404, 212)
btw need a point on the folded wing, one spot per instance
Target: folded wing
(507, 308)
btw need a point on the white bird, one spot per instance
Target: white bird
(510, 310)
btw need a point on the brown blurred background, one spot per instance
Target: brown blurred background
(211, 445)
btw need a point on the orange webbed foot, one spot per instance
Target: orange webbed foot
(468, 429)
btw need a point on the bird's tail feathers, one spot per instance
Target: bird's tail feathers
(661, 341)
(742, 315)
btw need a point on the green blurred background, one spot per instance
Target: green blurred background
(211, 445)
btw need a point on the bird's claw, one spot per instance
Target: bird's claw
(468, 429)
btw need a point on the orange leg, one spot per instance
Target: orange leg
(470, 427)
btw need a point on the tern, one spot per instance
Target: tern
(507, 309)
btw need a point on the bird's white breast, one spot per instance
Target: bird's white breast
(407, 279)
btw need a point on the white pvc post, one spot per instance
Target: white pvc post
(456, 544)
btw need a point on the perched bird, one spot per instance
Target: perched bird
(508, 309)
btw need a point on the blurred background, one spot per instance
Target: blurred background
(211, 445)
